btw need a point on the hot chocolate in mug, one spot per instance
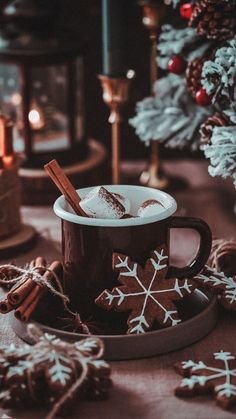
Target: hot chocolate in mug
(88, 243)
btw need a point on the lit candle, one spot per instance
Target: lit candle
(36, 118)
(114, 37)
(6, 141)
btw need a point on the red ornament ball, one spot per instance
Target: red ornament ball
(186, 10)
(202, 98)
(177, 65)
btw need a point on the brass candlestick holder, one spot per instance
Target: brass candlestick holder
(115, 95)
(152, 11)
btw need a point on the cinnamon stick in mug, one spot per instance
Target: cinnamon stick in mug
(19, 293)
(28, 306)
(65, 186)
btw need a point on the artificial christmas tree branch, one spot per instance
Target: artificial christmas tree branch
(208, 49)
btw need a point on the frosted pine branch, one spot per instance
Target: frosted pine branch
(231, 113)
(222, 152)
(171, 117)
(219, 75)
(185, 42)
(175, 2)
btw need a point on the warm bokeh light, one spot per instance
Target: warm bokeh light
(34, 117)
(16, 99)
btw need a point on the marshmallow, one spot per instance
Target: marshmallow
(100, 203)
(123, 200)
(149, 208)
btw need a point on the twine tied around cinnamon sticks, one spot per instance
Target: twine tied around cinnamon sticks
(54, 373)
(29, 285)
(68, 350)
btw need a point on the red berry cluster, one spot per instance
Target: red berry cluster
(177, 64)
(186, 10)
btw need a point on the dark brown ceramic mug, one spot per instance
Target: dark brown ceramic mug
(88, 243)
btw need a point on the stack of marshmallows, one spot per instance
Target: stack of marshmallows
(100, 203)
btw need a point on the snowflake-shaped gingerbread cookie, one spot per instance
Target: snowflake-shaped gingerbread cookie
(146, 292)
(216, 376)
(220, 284)
(53, 372)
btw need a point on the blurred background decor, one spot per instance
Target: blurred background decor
(42, 90)
(58, 51)
(153, 12)
(14, 235)
(115, 78)
(194, 103)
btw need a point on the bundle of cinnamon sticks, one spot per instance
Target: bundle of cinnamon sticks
(25, 297)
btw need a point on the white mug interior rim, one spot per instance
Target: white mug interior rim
(141, 193)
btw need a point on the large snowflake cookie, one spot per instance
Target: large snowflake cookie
(146, 292)
(220, 284)
(53, 373)
(216, 376)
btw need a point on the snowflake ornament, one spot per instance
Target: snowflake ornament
(220, 284)
(217, 376)
(146, 292)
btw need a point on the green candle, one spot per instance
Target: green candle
(114, 30)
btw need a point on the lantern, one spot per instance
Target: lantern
(41, 83)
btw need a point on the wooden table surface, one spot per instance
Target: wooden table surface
(144, 389)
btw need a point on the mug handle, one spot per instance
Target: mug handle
(204, 248)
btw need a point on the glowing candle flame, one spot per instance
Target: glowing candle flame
(34, 116)
(35, 119)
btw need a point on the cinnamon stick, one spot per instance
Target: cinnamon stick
(19, 293)
(65, 186)
(40, 262)
(28, 306)
(6, 306)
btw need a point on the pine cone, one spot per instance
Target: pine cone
(214, 19)
(216, 120)
(193, 75)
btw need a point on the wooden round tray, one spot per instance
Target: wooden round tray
(18, 242)
(203, 314)
(38, 189)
